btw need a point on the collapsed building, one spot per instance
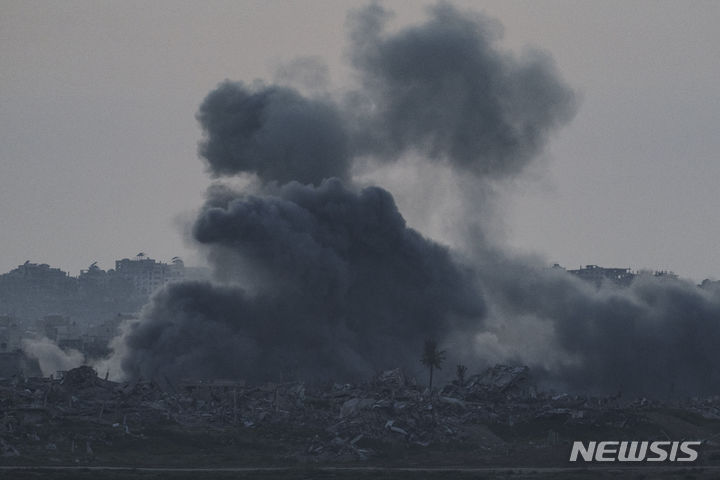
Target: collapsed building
(78, 417)
(623, 276)
(596, 275)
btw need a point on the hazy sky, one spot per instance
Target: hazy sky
(98, 137)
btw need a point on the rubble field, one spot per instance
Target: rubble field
(381, 474)
(495, 419)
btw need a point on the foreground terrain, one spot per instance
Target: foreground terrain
(495, 425)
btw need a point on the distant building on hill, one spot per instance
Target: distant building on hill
(147, 275)
(619, 276)
(10, 334)
(596, 274)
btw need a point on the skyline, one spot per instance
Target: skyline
(99, 137)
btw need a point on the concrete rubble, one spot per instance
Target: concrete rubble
(335, 422)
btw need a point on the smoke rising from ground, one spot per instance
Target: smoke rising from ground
(346, 289)
(659, 337)
(51, 357)
(319, 278)
(656, 337)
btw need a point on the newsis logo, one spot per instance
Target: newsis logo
(634, 451)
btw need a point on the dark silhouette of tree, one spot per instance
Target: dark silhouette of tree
(460, 371)
(432, 358)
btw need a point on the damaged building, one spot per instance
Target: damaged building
(597, 275)
(496, 415)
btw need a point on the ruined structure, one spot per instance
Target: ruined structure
(596, 275)
(497, 418)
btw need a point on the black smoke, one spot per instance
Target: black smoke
(346, 290)
(318, 278)
(273, 132)
(321, 278)
(656, 337)
(446, 90)
(443, 89)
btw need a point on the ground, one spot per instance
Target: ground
(85, 427)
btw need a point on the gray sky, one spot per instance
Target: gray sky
(98, 136)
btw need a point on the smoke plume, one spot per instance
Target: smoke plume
(445, 90)
(656, 337)
(659, 337)
(51, 357)
(317, 277)
(346, 288)
(273, 132)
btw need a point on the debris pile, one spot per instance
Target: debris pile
(334, 422)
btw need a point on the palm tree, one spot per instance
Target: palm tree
(432, 358)
(460, 371)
